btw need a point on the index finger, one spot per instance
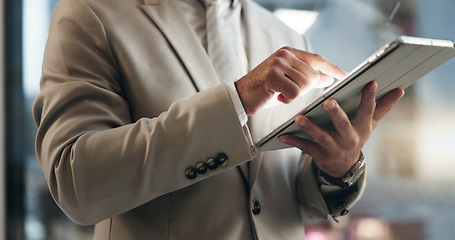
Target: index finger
(320, 63)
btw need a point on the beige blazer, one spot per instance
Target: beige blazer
(131, 111)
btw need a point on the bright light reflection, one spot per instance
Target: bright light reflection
(299, 20)
(35, 29)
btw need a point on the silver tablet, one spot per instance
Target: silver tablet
(396, 65)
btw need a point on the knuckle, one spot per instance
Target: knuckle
(286, 48)
(281, 53)
(284, 52)
(275, 60)
(370, 110)
(323, 139)
(275, 72)
(278, 61)
(354, 141)
(344, 124)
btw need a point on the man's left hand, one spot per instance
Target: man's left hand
(337, 151)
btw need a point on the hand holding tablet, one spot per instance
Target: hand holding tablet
(396, 65)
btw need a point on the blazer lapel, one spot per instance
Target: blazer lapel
(167, 16)
(259, 41)
(259, 46)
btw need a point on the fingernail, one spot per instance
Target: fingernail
(331, 105)
(283, 139)
(302, 122)
(375, 87)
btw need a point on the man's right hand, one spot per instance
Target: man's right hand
(288, 72)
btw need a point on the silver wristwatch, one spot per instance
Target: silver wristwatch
(350, 178)
(355, 172)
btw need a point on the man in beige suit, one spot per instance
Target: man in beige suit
(139, 135)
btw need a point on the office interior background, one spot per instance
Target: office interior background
(410, 157)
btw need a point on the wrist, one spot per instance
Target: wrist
(347, 180)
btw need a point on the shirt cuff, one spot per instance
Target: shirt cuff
(327, 188)
(237, 103)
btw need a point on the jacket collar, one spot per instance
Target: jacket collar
(167, 16)
(169, 19)
(259, 41)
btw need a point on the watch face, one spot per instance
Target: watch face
(355, 172)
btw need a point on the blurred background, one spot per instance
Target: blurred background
(411, 156)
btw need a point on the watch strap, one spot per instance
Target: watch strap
(349, 179)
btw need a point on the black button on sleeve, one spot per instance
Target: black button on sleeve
(190, 173)
(211, 164)
(201, 168)
(222, 159)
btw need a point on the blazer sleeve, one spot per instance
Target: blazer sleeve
(98, 162)
(317, 207)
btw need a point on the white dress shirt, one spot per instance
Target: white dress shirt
(194, 12)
